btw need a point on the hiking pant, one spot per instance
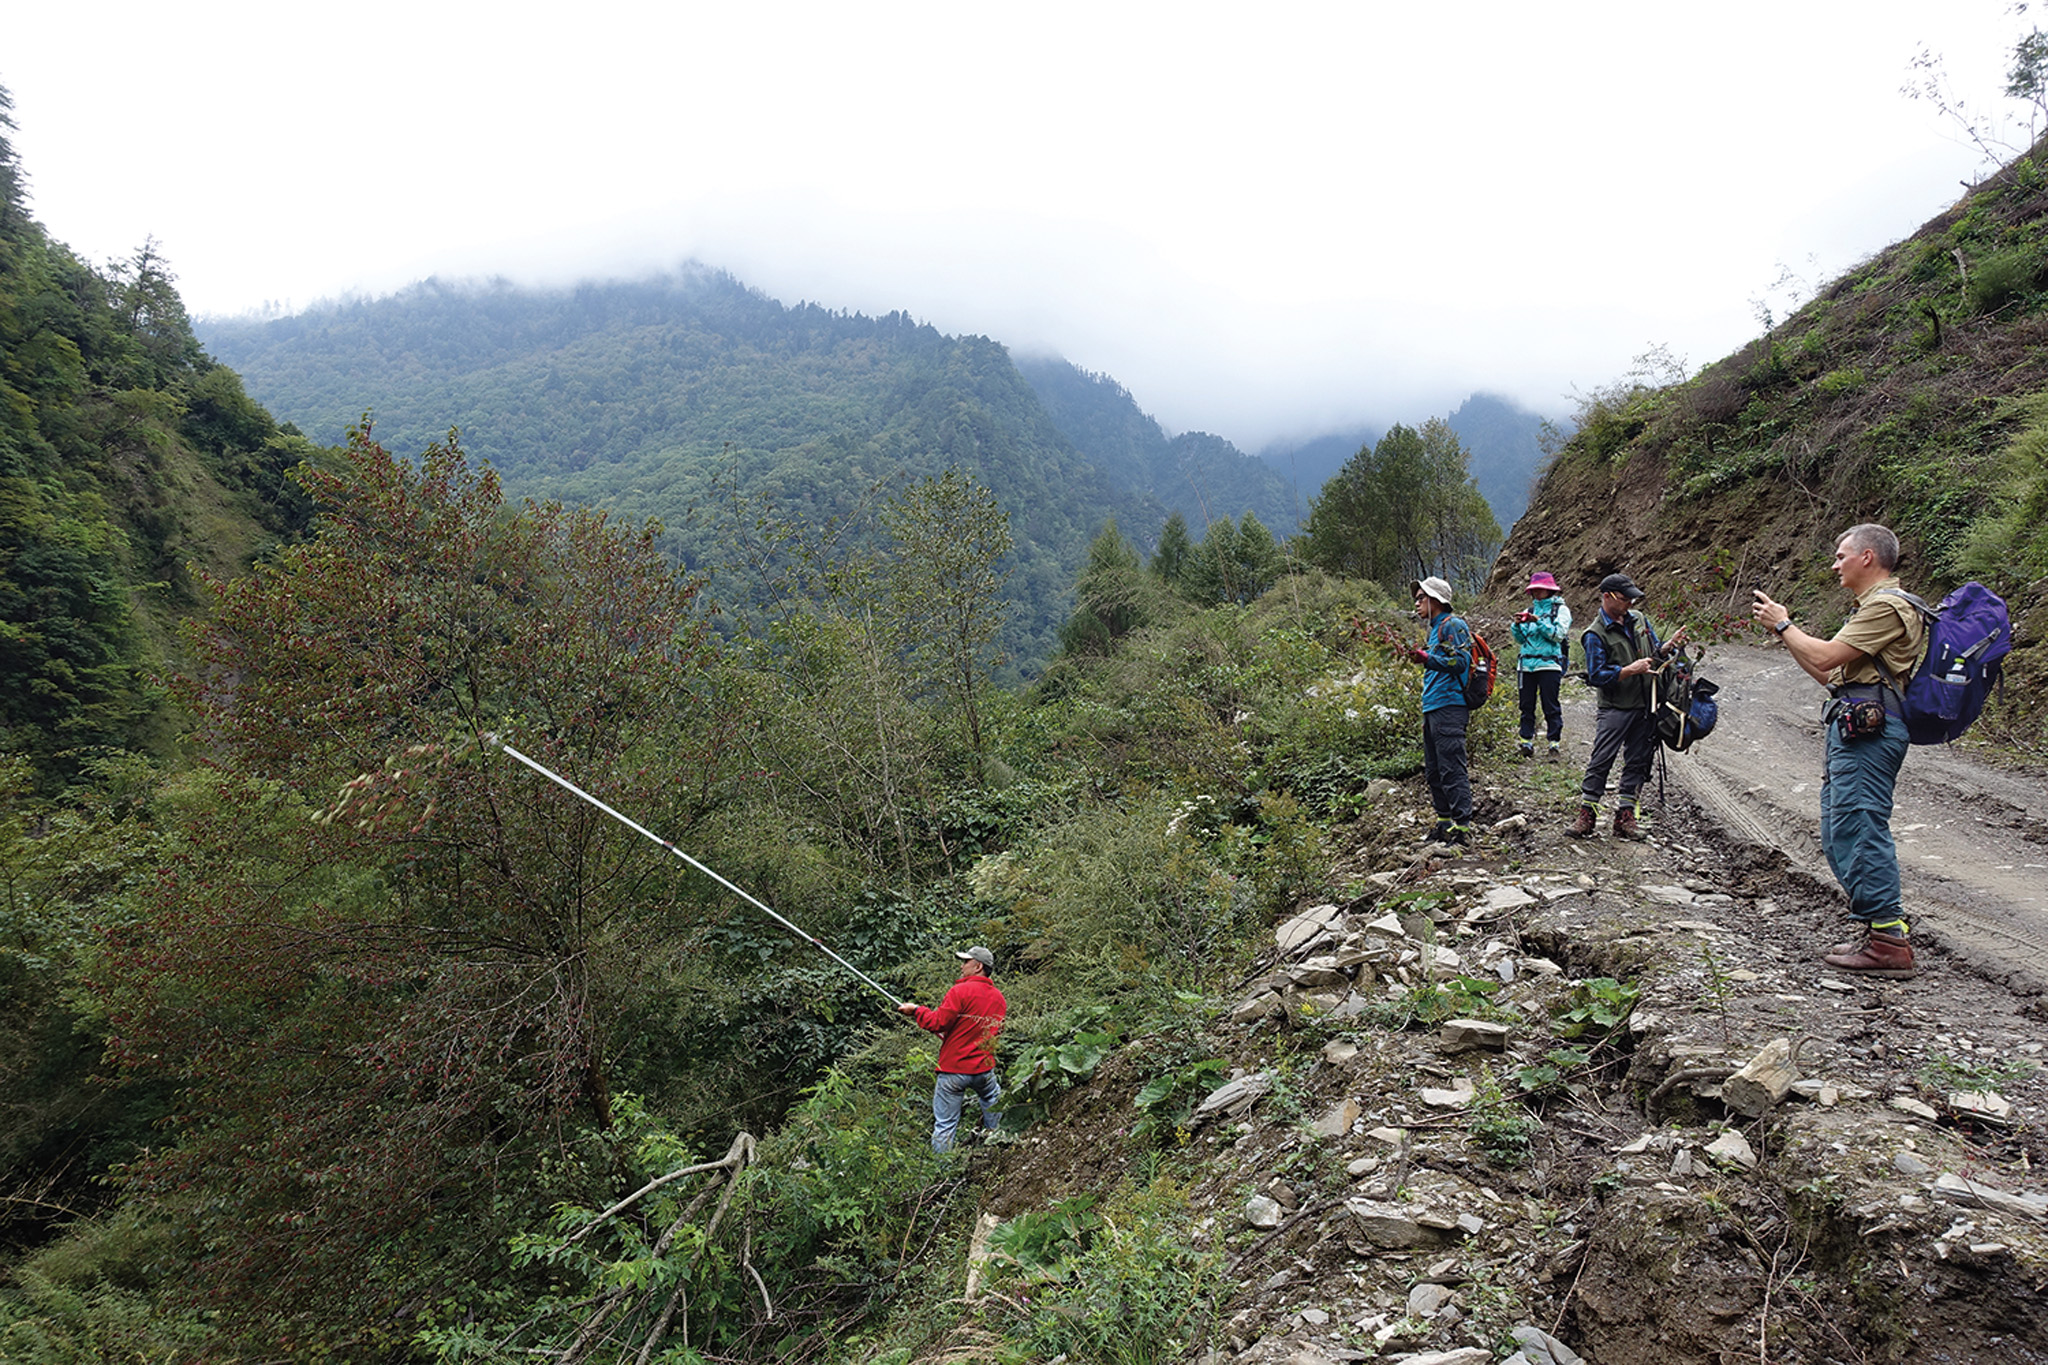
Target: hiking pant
(1856, 819)
(949, 1097)
(1631, 734)
(1443, 763)
(1542, 683)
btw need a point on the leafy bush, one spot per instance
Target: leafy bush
(1596, 1007)
(1461, 997)
(1044, 1240)
(1540, 1078)
(2009, 546)
(1045, 1071)
(1170, 1097)
(1124, 890)
(1500, 1126)
(608, 1274)
(47, 1323)
(1835, 383)
(845, 1174)
(1136, 1293)
(1997, 279)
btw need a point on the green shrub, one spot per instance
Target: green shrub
(1835, 383)
(1500, 1126)
(46, 1323)
(1998, 279)
(1135, 1292)
(2009, 546)
(1044, 1071)
(1596, 1007)
(1125, 890)
(1170, 1097)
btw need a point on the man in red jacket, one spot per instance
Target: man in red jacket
(966, 1020)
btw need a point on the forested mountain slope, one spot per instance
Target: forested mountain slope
(1200, 476)
(657, 397)
(1912, 391)
(126, 457)
(1502, 437)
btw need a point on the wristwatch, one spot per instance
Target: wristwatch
(1783, 626)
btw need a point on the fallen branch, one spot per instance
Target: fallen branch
(740, 1153)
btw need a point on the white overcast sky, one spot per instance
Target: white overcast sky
(1265, 220)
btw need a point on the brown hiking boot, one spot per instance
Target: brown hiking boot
(1583, 827)
(1625, 823)
(1881, 954)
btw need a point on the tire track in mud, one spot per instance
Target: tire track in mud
(1973, 840)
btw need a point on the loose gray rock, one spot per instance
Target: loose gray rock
(1469, 1355)
(1317, 973)
(1906, 1164)
(1391, 1227)
(1253, 1008)
(1460, 1035)
(1233, 1098)
(1337, 1123)
(1456, 1097)
(1763, 1081)
(1986, 1106)
(1506, 898)
(1262, 1212)
(1957, 1190)
(1541, 1348)
(1425, 1299)
(1305, 928)
(1732, 1147)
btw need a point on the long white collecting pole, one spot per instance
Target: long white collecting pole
(566, 785)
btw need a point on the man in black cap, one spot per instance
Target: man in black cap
(1620, 649)
(966, 1021)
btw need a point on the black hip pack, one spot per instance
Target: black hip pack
(1858, 712)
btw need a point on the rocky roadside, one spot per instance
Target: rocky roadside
(1549, 1100)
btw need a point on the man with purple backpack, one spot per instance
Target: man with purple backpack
(1864, 667)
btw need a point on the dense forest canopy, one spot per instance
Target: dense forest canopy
(125, 455)
(673, 398)
(1202, 477)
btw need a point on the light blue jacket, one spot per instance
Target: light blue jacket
(1542, 643)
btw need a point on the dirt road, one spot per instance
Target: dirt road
(1973, 841)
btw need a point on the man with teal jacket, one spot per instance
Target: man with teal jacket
(1447, 653)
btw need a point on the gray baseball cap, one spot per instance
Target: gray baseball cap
(986, 958)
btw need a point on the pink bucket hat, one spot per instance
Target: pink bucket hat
(1541, 582)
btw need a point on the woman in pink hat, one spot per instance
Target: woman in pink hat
(1541, 638)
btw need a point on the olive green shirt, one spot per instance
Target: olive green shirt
(1885, 626)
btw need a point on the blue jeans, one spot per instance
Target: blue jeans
(949, 1094)
(1856, 819)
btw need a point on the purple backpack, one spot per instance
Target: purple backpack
(1968, 637)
